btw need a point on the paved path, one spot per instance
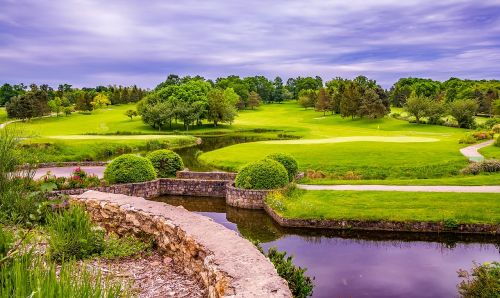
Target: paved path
(471, 152)
(410, 188)
(66, 171)
(2, 125)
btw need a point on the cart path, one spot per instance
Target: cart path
(471, 152)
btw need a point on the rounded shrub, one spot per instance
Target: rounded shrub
(263, 174)
(288, 162)
(165, 162)
(129, 168)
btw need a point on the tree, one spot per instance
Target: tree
(56, 105)
(350, 100)
(7, 92)
(100, 101)
(323, 102)
(307, 98)
(31, 104)
(68, 110)
(221, 105)
(83, 100)
(464, 110)
(417, 106)
(278, 90)
(496, 107)
(131, 114)
(253, 100)
(372, 106)
(436, 109)
(157, 115)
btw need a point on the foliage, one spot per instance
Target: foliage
(299, 283)
(307, 98)
(34, 276)
(263, 174)
(165, 162)
(78, 179)
(72, 235)
(288, 161)
(131, 113)
(496, 128)
(482, 135)
(222, 105)
(101, 100)
(482, 282)
(6, 242)
(463, 111)
(29, 105)
(417, 106)
(129, 168)
(115, 247)
(467, 139)
(486, 166)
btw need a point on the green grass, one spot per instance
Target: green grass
(485, 179)
(3, 115)
(491, 152)
(54, 150)
(390, 206)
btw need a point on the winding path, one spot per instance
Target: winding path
(471, 152)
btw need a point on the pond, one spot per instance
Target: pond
(359, 264)
(209, 143)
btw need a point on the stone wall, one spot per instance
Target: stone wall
(162, 186)
(245, 198)
(228, 176)
(228, 265)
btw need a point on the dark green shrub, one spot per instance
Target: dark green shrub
(482, 281)
(288, 162)
(300, 284)
(72, 235)
(165, 162)
(129, 168)
(263, 174)
(6, 240)
(497, 142)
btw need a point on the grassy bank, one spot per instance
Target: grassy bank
(491, 152)
(90, 149)
(389, 206)
(484, 179)
(3, 115)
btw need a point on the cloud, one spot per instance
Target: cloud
(116, 42)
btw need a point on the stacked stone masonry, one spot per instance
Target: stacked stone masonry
(227, 176)
(245, 198)
(228, 265)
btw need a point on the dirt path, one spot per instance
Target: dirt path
(407, 188)
(471, 152)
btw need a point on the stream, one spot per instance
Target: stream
(356, 263)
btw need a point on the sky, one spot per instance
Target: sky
(89, 43)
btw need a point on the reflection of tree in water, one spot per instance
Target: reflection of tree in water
(254, 224)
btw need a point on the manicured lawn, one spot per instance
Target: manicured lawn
(3, 115)
(383, 148)
(391, 206)
(48, 150)
(486, 179)
(491, 152)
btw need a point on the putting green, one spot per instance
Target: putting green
(401, 139)
(113, 137)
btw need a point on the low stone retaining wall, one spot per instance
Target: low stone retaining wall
(162, 186)
(245, 198)
(370, 225)
(228, 265)
(228, 176)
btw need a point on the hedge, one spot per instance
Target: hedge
(165, 162)
(129, 168)
(263, 174)
(288, 162)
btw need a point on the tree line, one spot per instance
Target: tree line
(25, 102)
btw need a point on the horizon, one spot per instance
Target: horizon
(125, 43)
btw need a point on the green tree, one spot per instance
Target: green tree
(131, 114)
(221, 105)
(417, 106)
(464, 110)
(372, 106)
(278, 90)
(350, 100)
(436, 109)
(100, 101)
(56, 105)
(307, 98)
(323, 102)
(253, 100)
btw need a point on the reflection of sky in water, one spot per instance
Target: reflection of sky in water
(369, 268)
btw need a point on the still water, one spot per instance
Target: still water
(359, 264)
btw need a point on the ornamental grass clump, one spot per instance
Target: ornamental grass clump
(165, 162)
(288, 162)
(129, 168)
(486, 166)
(73, 236)
(263, 174)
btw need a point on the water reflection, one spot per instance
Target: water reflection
(357, 263)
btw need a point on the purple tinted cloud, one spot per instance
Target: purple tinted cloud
(141, 42)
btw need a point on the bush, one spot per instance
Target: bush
(6, 241)
(488, 166)
(496, 128)
(165, 162)
(129, 168)
(468, 139)
(72, 235)
(497, 142)
(288, 162)
(263, 174)
(482, 135)
(482, 281)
